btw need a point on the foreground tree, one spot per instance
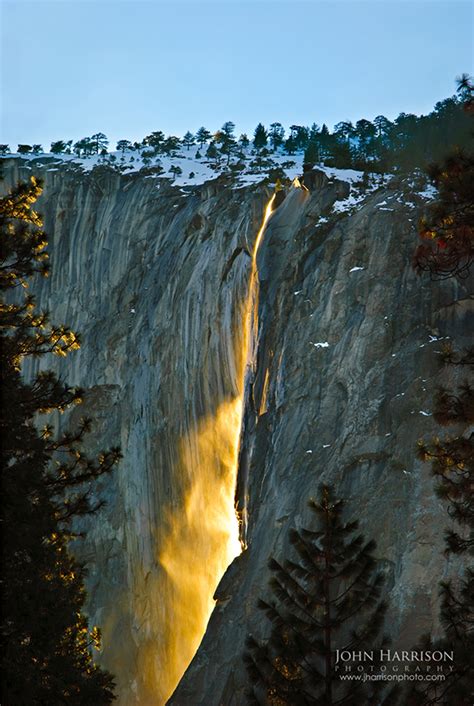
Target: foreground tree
(343, 131)
(170, 145)
(325, 600)
(189, 140)
(452, 465)
(83, 147)
(155, 139)
(447, 231)
(311, 155)
(290, 145)
(276, 135)
(244, 141)
(124, 146)
(60, 147)
(46, 483)
(364, 133)
(452, 458)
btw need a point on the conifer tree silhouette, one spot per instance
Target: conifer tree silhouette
(452, 465)
(326, 599)
(447, 231)
(46, 481)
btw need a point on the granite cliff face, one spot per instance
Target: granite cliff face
(338, 382)
(345, 371)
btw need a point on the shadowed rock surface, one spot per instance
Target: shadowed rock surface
(156, 281)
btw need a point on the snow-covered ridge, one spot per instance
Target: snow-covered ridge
(407, 191)
(187, 167)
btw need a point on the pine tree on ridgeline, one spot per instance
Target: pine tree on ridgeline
(188, 140)
(99, 142)
(46, 481)
(225, 139)
(260, 138)
(365, 133)
(212, 153)
(324, 140)
(202, 136)
(326, 599)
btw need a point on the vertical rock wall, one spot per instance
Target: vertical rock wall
(345, 372)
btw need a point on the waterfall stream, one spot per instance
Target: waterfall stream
(203, 535)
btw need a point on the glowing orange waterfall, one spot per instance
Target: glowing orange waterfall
(203, 539)
(249, 342)
(202, 535)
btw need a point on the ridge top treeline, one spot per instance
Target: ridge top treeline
(381, 145)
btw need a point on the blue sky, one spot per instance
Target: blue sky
(126, 67)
